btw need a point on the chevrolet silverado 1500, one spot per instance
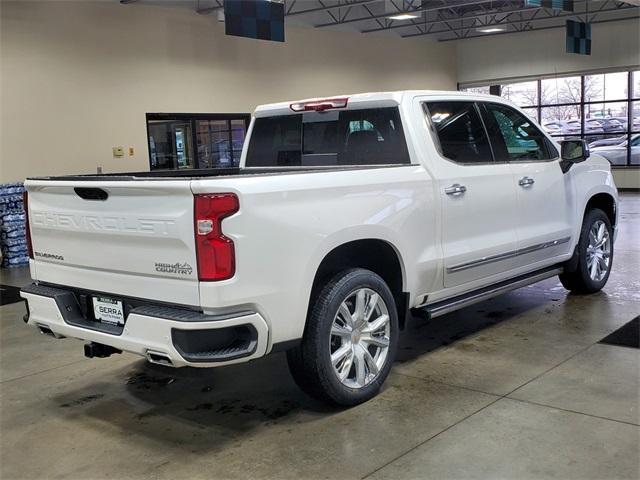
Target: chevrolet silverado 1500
(345, 215)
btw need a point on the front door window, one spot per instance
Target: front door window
(514, 137)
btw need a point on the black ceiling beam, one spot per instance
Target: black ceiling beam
(513, 22)
(551, 27)
(447, 6)
(455, 19)
(289, 13)
(324, 8)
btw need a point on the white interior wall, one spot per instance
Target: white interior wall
(77, 77)
(615, 46)
(627, 178)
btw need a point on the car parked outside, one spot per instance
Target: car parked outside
(553, 127)
(593, 127)
(610, 125)
(605, 142)
(573, 128)
(624, 121)
(617, 154)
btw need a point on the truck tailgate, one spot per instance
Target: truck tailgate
(138, 241)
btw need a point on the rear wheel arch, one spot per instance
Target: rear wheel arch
(376, 255)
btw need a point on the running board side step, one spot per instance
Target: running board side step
(456, 303)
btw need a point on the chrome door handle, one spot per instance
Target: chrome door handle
(526, 182)
(455, 189)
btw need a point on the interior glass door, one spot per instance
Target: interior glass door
(214, 148)
(170, 144)
(196, 140)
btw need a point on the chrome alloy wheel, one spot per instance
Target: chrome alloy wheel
(598, 251)
(360, 338)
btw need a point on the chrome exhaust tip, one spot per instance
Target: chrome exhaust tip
(159, 358)
(46, 330)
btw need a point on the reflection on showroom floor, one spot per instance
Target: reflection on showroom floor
(515, 387)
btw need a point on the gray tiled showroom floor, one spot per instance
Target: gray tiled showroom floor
(516, 387)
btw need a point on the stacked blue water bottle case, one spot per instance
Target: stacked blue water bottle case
(13, 239)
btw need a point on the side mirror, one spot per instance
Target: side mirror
(573, 151)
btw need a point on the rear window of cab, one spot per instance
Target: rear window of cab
(334, 137)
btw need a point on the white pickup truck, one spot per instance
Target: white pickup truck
(345, 215)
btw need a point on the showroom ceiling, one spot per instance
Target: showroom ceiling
(441, 20)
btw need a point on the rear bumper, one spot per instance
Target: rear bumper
(162, 334)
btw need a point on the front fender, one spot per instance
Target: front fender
(590, 178)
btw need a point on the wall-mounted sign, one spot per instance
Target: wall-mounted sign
(578, 37)
(260, 19)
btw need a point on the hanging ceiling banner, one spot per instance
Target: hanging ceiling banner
(565, 5)
(259, 19)
(578, 37)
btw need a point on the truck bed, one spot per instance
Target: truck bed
(133, 233)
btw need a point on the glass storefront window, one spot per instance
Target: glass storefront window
(594, 107)
(635, 116)
(170, 144)
(562, 121)
(606, 118)
(618, 150)
(634, 153)
(479, 90)
(238, 133)
(178, 141)
(214, 148)
(523, 94)
(555, 91)
(609, 86)
(532, 112)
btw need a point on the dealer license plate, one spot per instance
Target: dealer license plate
(108, 310)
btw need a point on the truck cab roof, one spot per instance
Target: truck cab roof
(369, 100)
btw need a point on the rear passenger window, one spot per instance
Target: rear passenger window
(335, 137)
(514, 136)
(460, 131)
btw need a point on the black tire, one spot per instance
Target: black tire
(310, 363)
(578, 279)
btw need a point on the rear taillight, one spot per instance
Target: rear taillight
(215, 252)
(25, 200)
